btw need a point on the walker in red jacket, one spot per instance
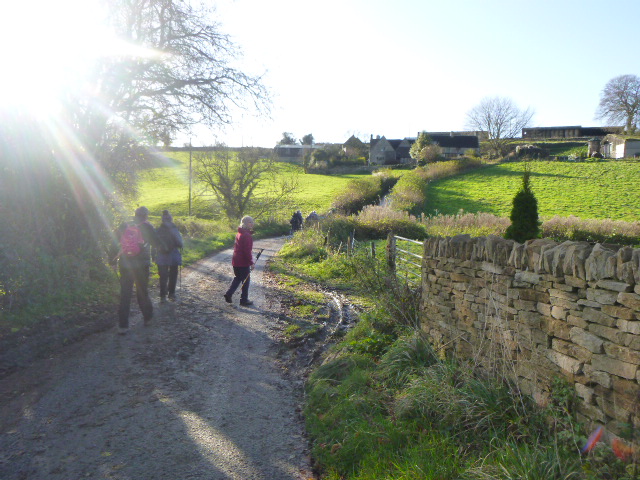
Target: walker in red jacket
(242, 262)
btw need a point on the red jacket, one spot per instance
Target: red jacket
(242, 250)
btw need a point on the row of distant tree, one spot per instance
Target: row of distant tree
(289, 139)
(502, 120)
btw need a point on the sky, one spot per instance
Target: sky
(376, 67)
(336, 68)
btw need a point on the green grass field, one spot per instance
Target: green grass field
(598, 190)
(166, 185)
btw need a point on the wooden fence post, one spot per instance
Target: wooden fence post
(351, 243)
(391, 251)
(373, 249)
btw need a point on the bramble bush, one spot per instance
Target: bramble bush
(375, 222)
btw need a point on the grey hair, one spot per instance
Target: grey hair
(245, 220)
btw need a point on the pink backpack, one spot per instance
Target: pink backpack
(131, 241)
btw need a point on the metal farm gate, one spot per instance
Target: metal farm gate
(404, 256)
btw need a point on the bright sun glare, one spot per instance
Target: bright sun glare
(48, 48)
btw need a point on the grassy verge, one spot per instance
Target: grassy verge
(386, 404)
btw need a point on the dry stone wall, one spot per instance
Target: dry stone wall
(540, 310)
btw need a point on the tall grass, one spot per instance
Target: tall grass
(474, 224)
(591, 230)
(557, 228)
(376, 222)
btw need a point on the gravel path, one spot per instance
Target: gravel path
(196, 395)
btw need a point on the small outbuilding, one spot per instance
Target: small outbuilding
(620, 146)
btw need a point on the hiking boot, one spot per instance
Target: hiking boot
(163, 299)
(122, 330)
(172, 297)
(147, 321)
(246, 303)
(227, 298)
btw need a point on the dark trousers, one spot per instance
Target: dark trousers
(242, 274)
(168, 279)
(130, 275)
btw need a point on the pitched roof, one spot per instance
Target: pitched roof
(354, 141)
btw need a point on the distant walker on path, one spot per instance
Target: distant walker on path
(296, 221)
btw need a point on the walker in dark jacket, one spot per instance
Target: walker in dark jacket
(296, 221)
(134, 270)
(168, 257)
(242, 262)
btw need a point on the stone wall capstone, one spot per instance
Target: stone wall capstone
(539, 310)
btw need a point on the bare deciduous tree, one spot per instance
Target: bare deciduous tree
(620, 101)
(244, 182)
(180, 73)
(501, 119)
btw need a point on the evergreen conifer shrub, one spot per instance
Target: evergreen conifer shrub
(525, 224)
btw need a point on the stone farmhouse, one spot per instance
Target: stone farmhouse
(387, 152)
(383, 151)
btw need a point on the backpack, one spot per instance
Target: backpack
(167, 242)
(131, 240)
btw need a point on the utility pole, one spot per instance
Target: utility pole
(190, 177)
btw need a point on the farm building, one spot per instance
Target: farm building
(575, 131)
(618, 146)
(383, 151)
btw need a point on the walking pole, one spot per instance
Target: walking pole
(247, 277)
